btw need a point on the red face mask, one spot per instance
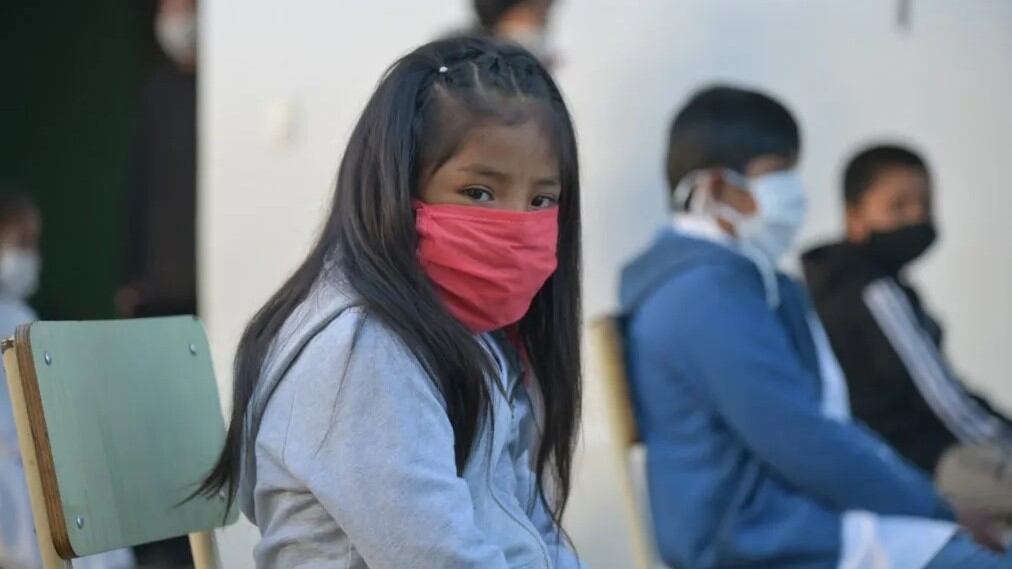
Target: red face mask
(487, 264)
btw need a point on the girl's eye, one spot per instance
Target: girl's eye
(544, 202)
(477, 194)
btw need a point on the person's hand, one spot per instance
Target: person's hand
(983, 526)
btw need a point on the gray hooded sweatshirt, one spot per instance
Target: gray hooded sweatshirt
(349, 456)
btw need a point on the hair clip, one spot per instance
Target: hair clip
(443, 69)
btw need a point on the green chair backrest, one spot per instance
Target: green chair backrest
(132, 422)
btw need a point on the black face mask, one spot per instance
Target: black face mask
(894, 249)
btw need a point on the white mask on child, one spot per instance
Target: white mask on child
(780, 212)
(535, 40)
(765, 236)
(177, 34)
(19, 272)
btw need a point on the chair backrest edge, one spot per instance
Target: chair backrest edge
(40, 437)
(608, 345)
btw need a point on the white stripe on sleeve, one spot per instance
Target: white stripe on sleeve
(894, 314)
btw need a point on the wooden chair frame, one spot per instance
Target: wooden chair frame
(607, 346)
(37, 460)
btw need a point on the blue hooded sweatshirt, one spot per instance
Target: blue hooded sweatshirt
(743, 467)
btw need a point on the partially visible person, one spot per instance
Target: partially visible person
(20, 230)
(901, 383)
(161, 263)
(525, 22)
(753, 459)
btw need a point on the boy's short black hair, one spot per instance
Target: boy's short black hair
(727, 127)
(872, 161)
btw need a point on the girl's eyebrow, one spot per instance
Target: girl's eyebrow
(484, 170)
(490, 172)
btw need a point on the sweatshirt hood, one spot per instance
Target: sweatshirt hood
(328, 299)
(670, 253)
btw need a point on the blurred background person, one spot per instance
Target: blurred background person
(526, 22)
(20, 232)
(890, 345)
(161, 243)
(20, 226)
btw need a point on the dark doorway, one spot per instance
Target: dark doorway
(68, 101)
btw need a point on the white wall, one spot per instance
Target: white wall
(845, 68)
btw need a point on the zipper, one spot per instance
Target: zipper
(495, 351)
(500, 358)
(525, 526)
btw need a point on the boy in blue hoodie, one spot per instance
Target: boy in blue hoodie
(752, 457)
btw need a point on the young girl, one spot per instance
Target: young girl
(410, 397)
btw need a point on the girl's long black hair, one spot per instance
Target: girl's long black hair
(420, 111)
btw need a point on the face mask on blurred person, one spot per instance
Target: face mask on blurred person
(534, 40)
(177, 34)
(780, 212)
(19, 272)
(896, 248)
(764, 236)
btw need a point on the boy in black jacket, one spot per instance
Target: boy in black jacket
(900, 382)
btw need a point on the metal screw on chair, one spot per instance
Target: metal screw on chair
(80, 522)
(193, 350)
(48, 358)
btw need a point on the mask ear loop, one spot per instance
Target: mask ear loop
(767, 271)
(735, 179)
(689, 197)
(703, 202)
(684, 196)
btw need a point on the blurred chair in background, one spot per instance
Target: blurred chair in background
(608, 349)
(20, 232)
(117, 422)
(901, 383)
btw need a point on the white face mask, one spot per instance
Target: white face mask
(780, 212)
(177, 34)
(764, 236)
(19, 272)
(536, 41)
(781, 207)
